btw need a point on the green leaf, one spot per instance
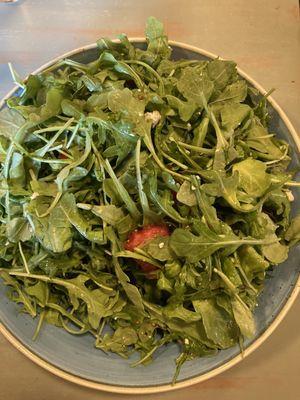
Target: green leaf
(276, 253)
(253, 178)
(17, 175)
(156, 39)
(39, 291)
(222, 73)
(194, 330)
(208, 211)
(43, 188)
(227, 187)
(117, 342)
(243, 318)
(72, 108)
(50, 108)
(163, 283)
(263, 226)
(186, 195)
(217, 323)
(131, 291)
(192, 85)
(123, 101)
(122, 48)
(179, 312)
(21, 296)
(258, 140)
(10, 122)
(98, 303)
(293, 232)
(251, 261)
(185, 109)
(68, 208)
(236, 92)
(124, 141)
(33, 84)
(164, 203)
(53, 318)
(18, 229)
(109, 214)
(123, 193)
(53, 231)
(194, 248)
(97, 101)
(233, 114)
(230, 270)
(159, 248)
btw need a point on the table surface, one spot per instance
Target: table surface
(263, 37)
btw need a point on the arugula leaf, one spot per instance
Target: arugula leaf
(259, 140)
(293, 232)
(18, 229)
(193, 85)
(53, 231)
(98, 303)
(123, 101)
(10, 122)
(222, 73)
(243, 318)
(20, 295)
(186, 195)
(195, 248)
(131, 291)
(253, 178)
(233, 114)
(185, 109)
(156, 39)
(236, 92)
(68, 207)
(251, 261)
(159, 248)
(109, 213)
(263, 226)
(217, 323)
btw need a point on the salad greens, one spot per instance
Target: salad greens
(91, 152)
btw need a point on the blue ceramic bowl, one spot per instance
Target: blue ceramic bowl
(76, 359)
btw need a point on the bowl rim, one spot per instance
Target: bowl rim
(190, 381)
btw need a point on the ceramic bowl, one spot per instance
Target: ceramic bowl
(75, 358)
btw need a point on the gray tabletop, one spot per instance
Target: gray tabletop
(263, 37)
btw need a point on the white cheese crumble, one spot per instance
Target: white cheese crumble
(289, 195)
(34, 195)
(154, 117)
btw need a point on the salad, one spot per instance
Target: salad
(143, 200)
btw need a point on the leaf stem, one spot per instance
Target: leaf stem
(39, 325)
(142, 194)
(130, 204)
(201, 150)
(150, 69)
(23, 258)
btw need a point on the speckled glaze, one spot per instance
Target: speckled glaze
(75, 358)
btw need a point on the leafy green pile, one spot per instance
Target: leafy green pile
(90, 152)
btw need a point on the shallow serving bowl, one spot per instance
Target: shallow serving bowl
(75, 358)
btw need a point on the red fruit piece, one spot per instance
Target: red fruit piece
(140, 237)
